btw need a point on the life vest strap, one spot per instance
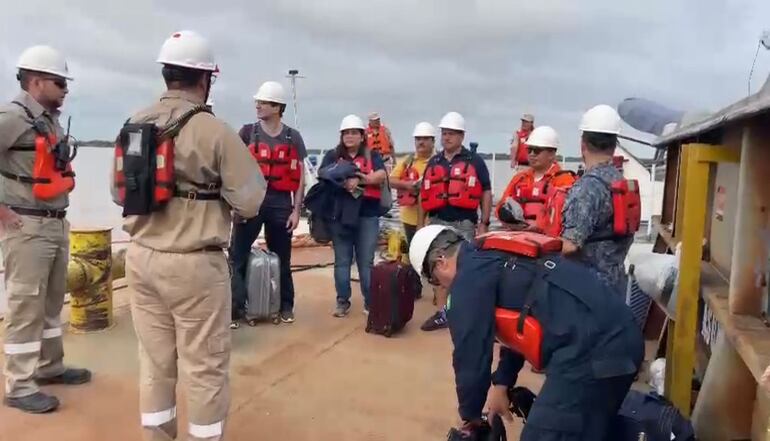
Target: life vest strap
(25, 179)
(194, 195)
(55, 214)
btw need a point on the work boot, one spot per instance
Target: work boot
(35, 403)
(70, 377)
(341, 310)
(436, 321)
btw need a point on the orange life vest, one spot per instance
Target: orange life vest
(407, 198)
(522, 152)
(516, 329)
(52, 174)
(144, 167)
(626, 210)
(533, 195)
(365, 166)
(457, 186)
(379, 141)
(280, 165)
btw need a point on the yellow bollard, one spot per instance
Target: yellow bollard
(89, 280)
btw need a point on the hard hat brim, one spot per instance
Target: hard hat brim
(47, 71)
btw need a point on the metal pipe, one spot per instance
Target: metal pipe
(89, 280)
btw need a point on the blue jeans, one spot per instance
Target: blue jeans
(364, 241)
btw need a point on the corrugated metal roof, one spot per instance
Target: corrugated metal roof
(745, 108)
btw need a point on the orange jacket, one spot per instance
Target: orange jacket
(526, 179)
(380, 141)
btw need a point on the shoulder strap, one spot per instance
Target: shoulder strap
(37, 125)
(288, 135)
(25, 108)
(409, 162)
(174, 127)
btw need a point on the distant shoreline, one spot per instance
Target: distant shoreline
(497, 156)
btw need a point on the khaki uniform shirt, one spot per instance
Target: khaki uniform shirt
(206, 151)
(16, 131)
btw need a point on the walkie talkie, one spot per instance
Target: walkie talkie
(62, 149)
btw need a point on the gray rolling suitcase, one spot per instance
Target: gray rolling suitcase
(263, 278)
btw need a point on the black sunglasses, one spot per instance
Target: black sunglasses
(536, 150)
(58, 82)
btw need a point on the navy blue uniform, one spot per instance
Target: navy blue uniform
(454, 214)
(591, 349)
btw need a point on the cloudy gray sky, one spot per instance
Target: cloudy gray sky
(411, 60)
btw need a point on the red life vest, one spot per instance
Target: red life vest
(626, 210)
(407, 198)
(280, 165)
(364, 165)
(52, 174)
(457, 186)
(522, 149)
(143, 167)
(379, 141)
(516, 329)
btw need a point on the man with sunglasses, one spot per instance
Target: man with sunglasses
(553, 311)
(175, 264)
(35, 243)
(530, 188)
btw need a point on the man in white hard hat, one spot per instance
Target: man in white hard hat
(516, 288)
(280, 152)
(408, 173)
(36, 181)
(378, 139)
(519, 152)
(176, 265)
(530, 188)
(455, 187)
(588, 212)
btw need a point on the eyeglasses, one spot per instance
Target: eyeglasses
(536, 150)
(429, 273)
(61, 83)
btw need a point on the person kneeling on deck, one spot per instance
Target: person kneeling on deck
(178, 173)
(455, 185)
(601, 212)
(544, 308)
(35, 181)
(531, 188)
(407, 176)
(280, 152)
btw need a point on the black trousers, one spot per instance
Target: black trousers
(278, 241)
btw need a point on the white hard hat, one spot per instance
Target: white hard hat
(424, 129)
(423, 238)
(271, 91)
(188, 49)
(453, 121)
(545, 137)
(352, 122)
(44, 59)
(601, 119)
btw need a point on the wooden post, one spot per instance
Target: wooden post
(749, 246)
(692, 214)
(727, 380)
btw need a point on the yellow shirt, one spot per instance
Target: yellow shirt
(409, 214)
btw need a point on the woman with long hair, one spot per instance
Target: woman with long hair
(358, 197)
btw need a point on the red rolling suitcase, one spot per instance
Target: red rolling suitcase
(394, 288)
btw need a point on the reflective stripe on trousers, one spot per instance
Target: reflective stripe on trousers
(35, 258)
(184, 299)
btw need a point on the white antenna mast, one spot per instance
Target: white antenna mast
(293, 75)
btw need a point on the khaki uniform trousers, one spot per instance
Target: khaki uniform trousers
(35, 258)
(181, 311)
